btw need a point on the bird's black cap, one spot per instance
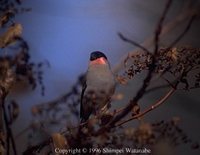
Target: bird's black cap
(97, 54)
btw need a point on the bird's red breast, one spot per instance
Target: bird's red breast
(100, 61)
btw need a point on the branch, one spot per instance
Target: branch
(184, 32)
(158, 103)
(133, 43)
(167, 28)
(160, 26)
(154, 106)
(141, 92)
(147, 80)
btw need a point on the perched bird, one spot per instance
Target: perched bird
(99, 86)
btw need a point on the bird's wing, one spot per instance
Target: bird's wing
(82, 94)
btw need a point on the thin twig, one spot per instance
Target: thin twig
(154, 106)
(160, 101)
(133, 42)
(184, 32)
(160, 26)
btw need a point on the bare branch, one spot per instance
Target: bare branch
(184, 32)
(154, 106)
(160, 26)
(167, 28)
(142, 90)
(133, 43)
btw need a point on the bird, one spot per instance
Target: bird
(98, 88)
